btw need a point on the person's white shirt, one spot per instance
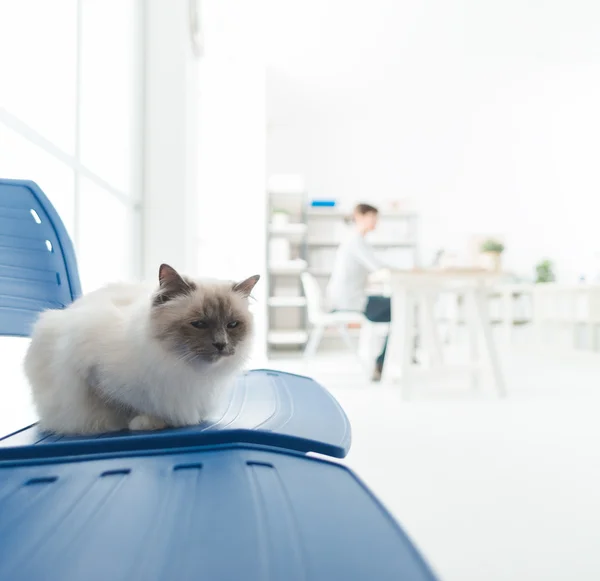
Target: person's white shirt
(354, 261)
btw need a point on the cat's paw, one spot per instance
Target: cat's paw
(144, 423)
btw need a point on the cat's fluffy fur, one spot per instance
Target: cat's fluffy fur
(125, 356)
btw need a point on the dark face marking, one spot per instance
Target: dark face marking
(217, 327)
(203, 322)
(171, 285)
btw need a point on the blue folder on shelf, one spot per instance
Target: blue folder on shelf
(235, 498)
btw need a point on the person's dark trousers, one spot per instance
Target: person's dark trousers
(379, 310)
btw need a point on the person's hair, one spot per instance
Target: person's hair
(363, 209)
(360, 210)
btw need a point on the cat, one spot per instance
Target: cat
(126, 356)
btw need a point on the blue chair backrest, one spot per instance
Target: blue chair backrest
(38, 269)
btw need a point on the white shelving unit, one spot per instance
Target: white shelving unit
(296, 266)
(287, 301)
(286, 259)
(303, 238)
(287, 338)
(291, 230)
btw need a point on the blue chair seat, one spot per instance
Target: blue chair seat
(269, 408)
(221, 514)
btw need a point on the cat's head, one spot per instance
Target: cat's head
(202, 321)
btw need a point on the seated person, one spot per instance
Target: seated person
(355, 260)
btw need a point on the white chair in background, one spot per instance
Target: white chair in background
(567, 315)
(320, 319)
(555, 317)
(593, 316)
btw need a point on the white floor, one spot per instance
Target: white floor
(488, 490)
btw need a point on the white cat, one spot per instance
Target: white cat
(127, 357)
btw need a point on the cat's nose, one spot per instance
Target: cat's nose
(219, 346)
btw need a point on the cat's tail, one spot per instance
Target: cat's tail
(40, 360)
(61, 394)
(44, 340)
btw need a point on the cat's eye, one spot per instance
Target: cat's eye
(200, 324)
(233, 324)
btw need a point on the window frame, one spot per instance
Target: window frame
(132, 199)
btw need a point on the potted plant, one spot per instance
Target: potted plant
(280, 218)
(492, 251)
(544, 271)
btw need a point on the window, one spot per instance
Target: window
(22, 159)
(70, 119)
(104, 237)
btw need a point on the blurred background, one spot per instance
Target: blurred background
(229, 137)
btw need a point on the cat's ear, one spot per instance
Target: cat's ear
(245, 287)
(171, 284)
(168, 276)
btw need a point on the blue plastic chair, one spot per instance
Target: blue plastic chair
(235, 498)
(38, 270)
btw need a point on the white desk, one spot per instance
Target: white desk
(421, 288)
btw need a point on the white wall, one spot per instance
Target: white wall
(486, 113)
(170, 140)
(231, 163)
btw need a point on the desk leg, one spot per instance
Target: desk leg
(471, 315)
(408, 341)
(401, 336)
(488, 338)
(508, 314)
(430, 330)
